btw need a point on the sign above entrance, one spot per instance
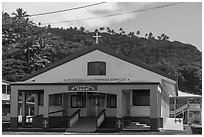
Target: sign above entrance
(82, 88)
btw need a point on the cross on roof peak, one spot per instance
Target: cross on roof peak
(97, 36)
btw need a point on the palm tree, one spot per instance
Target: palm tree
(96, 30)
(39, 24)
(5, 15)
(112, 31)
(150, 35)
(146, 35)
(108, 29)
(131, 34)
(20, 15)
(75, 28)
(26, 27)
(101, 28)
(167, 37)
(163, 35)
(121, 29)
(82, 29)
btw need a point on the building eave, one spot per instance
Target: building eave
(86, 83)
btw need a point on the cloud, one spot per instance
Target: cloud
(96, 11)
(112, 8)
(105, 22)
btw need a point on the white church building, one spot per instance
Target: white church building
(95, 89)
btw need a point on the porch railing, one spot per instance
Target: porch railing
(100, 118)
(38, 118)
(74, 117)
(58, 111)
(31, 119)
(179, 110)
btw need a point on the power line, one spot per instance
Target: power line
(168, 5)
(76, 8)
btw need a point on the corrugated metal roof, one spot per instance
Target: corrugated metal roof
(184, 94)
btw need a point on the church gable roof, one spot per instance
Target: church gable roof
(101, 48)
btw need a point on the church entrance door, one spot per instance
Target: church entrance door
(96, 103)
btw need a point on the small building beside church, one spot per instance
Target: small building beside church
(187, 106)
(6, 89)
(95, 88)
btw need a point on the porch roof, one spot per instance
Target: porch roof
(184, 94)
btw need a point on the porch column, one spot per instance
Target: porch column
(188, 120)
(45, 122)
(154, 104)
(36, 107)
(119, 122)
(14, 108)
(201, 112)
(23, 108)
(175, 107)
(65, 104)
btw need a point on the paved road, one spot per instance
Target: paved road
(187, 131)
(116, 133)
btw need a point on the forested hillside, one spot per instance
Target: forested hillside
(28, 47)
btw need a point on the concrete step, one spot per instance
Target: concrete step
(135, 129)
(137, 123)
(58, 124)
(107, 130)
(137, 126)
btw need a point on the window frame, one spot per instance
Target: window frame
(55, 100)
(41, 98)
(4, 89)
(109, 98)
(77, 98)
(8, 89)
(140, 93)
(93, 65)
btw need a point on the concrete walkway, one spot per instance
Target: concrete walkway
(86, 124)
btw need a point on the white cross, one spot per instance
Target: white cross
(118, 123)
(97, 36)
(45, 123)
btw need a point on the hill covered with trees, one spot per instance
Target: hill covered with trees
(28, 47)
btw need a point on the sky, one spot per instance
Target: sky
(182, 22)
